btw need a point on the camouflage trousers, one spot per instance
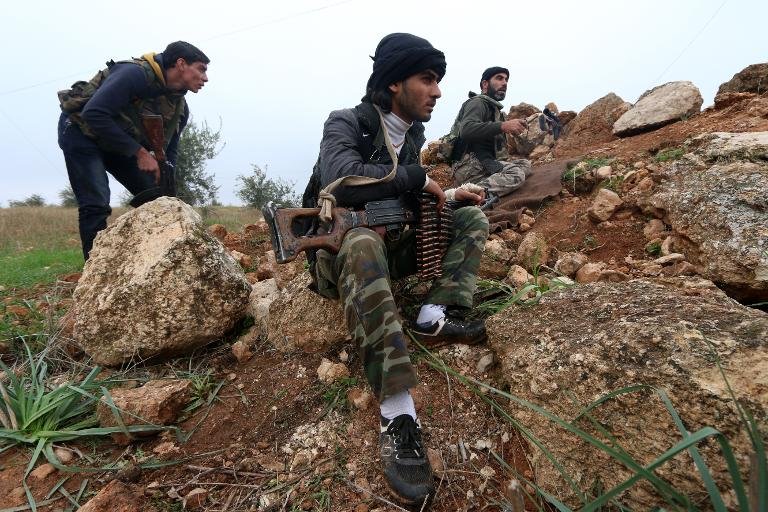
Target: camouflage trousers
(511, 176)
(362, 272)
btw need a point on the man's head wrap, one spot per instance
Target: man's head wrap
(401, 55)
(488, 73)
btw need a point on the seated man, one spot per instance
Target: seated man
(380, 139)
(480, 151)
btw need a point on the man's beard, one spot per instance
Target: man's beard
(410, 108)
(497, 95)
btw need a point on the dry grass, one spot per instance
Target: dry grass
(48, 227)
(54, 227)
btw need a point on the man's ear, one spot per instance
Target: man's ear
(484, 86)
(179, 62)
(395, 87)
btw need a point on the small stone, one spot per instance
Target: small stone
(360, 398)
(518, 276)
(606, 202)
(589, 273)
(65, 456)
(241, 352)
(436, 461)
(165, 448)
(638, 165)
(17, 492)
(524, 227)
(329, 372)
(613, 276)
(527, 219)
(684, 268)
(196, 498)
(362, 507)
(498, 250)
(645, 184)
(533, 251)
(244, 260)
(669, 259)
(561, 281)
(343, 356)
(510, 236)
(652, 269)
(487, 471)
(653, 228)
(570, 262)
(42, 471)
(301, 459)
(666, 246)
(218, 231)
(485, 362)
(603, 173)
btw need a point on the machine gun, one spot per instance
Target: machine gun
(165, 178)
(433, 228)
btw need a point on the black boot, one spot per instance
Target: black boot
(406, 466)
(451, 329)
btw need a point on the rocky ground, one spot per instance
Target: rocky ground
(624, 262)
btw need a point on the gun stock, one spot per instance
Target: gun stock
(288, 245)
(153, 128)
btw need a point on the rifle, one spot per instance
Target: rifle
(165, 179)
(287, 244)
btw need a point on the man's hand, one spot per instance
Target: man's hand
(434, 189)
(147, 163)
(466, 195)
(513, 126)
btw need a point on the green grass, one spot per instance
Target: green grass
(26, 268)
(653, 248)
(613, 183)
(494, 296)
(34, 413)
(669, 154)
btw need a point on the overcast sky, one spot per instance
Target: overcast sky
(278, 68)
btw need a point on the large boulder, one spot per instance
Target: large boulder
(753, 78)
(156, 284)
(593, 125)
(716, 200)
(659, 106)
(581, 343)
(300, 319)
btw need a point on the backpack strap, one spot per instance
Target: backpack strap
(326, 199)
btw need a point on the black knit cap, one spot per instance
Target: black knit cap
(488, 73)
(401, 55)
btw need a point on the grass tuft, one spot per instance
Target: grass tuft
(669, 154)
(752, 498)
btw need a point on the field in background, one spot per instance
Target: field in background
(37, 244)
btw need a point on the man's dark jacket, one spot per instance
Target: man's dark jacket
(479, 130)
(353, 145)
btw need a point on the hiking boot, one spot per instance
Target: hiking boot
(406, 466)
(448, 330)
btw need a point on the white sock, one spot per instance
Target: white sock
(431, 313)
(395, 405)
